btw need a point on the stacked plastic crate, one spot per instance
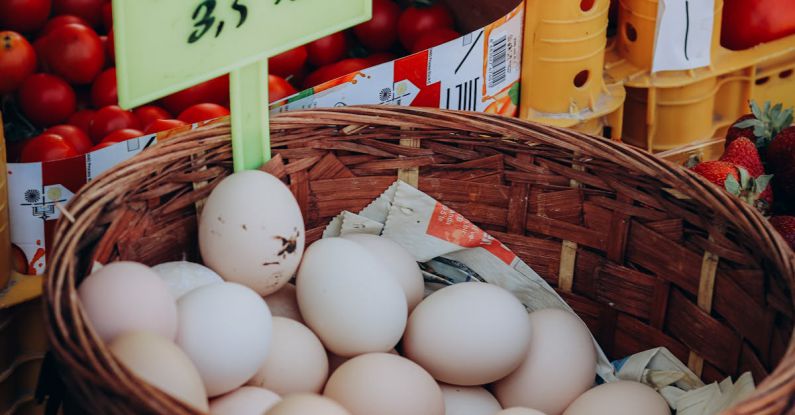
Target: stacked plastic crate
(685, 114)
(563, 67)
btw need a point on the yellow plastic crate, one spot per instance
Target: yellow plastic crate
(563, 67)
(684, 114)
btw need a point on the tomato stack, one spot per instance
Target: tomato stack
(58, 80)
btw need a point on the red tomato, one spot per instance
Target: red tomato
(46, 99)
(327, 50)
(107, 16)
(380, 32)
(120, 136)
(104, 91)
(24, 15)
(76, 137)
(17, 61)
(90, 10)
(288, 63)
(279, 88)
(101, 146)
(163, 125)
(112, 118)
(40, 46)
(336, 70)
(201, 112)
(417, 20)
(433, 38)
(59, 21)
(47, 147)
(215, 91)
(381, 57)
(82, 119)
(110, 47)
(149, 114)
(747, 23)
(75, 52)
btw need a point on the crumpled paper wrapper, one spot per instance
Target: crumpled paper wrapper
(452, 249)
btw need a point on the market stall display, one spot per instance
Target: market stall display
(396, 261)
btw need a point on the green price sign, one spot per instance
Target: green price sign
(163, 46)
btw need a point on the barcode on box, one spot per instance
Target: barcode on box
(498, 60)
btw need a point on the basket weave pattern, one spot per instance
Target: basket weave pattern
(647, 253)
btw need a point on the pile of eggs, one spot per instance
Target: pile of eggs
(355, 334)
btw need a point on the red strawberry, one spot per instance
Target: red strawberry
(766, 123)
(716, 171)
(737, 181)
(781, 162)
(743, 153)
(785, 225)
(736, 132)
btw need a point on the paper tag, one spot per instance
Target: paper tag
(684, 34)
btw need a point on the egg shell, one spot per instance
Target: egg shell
(348, 298)
(246, 400)
(251, 231)
(307, 404)
(468, 400)
(385, 384)
(468, 334)
(519, 411)
(284, 303)
(559, 366)
(183, 276)
(296, 362)
(128, 296)
(619, 398)
(399, 262)
(334, 361)
(226, 331)
(162, 364)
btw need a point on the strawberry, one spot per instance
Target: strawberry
(766, 123)
(785, 225)
(736, 132)
(743, 153)
(781, 162)
(716, 171)
(737, 181)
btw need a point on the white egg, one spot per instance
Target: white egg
(162, 364)
(399, 262)
(284, 303)
(128, 296)
(619, 398)
(519, 411)
(182, 276)
(251, 231)
(559, 366)
(349, 299)
(468, 400)
(226, 331)
(248, 400)
(307, 404)
(385, 384)
(468, 334)
(296, 362)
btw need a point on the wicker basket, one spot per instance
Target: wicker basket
(647, 253)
